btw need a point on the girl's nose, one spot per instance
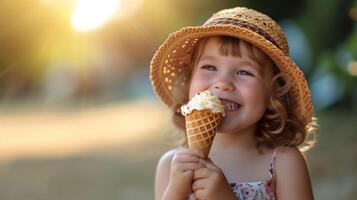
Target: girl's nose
(223, 86)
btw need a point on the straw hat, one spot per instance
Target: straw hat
(173, 57)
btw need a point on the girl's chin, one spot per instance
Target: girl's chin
(227, 125)
(226, 129)
(231, 126)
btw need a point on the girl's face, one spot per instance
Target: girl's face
(240, 82)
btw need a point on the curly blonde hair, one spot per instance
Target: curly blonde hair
(281, 125)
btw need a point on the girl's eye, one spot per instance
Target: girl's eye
(244, 73)
(209, 67)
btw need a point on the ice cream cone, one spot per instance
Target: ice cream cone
(201, 127)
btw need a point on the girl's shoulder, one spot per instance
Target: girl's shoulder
(286, 155)
(289, 158)
(165, 160)
(291, 172)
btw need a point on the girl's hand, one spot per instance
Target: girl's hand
(210, 183)
(184, 163)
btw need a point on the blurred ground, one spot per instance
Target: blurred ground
(106, 152)
(110, 152)
(61, 131)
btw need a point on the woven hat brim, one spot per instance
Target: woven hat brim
(289, 69)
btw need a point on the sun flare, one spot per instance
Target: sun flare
(91, 14)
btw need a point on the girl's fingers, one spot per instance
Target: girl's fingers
(195, 152)
(199, 193)
(186, 158)
(201, 173)
(188, 166)
(208, 163)
(198, 185)
(188, 173)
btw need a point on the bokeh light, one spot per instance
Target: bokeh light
(90, 14)
(352, 68)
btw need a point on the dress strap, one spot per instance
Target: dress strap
(272, 163)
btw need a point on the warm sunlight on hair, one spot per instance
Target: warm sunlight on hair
(90, 14)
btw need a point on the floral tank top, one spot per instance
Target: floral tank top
(257, 190)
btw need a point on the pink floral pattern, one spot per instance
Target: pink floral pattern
(260, 190)
(269, 188)
(257, 190)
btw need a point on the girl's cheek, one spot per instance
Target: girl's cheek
(198, 84)
(251, 85)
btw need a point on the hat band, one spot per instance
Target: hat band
(244, 24)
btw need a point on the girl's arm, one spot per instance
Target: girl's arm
(163, 174)
(292, 175)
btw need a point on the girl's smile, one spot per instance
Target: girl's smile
(230, 106)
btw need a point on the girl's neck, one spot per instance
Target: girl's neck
(237, 142)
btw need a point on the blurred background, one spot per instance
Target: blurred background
(78, 117)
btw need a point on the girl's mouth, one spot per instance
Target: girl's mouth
(230, 106)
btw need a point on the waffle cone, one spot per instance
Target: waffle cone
(201, 127)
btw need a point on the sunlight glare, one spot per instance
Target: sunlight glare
(91, 14)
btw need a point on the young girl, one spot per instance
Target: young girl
(241, 56)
